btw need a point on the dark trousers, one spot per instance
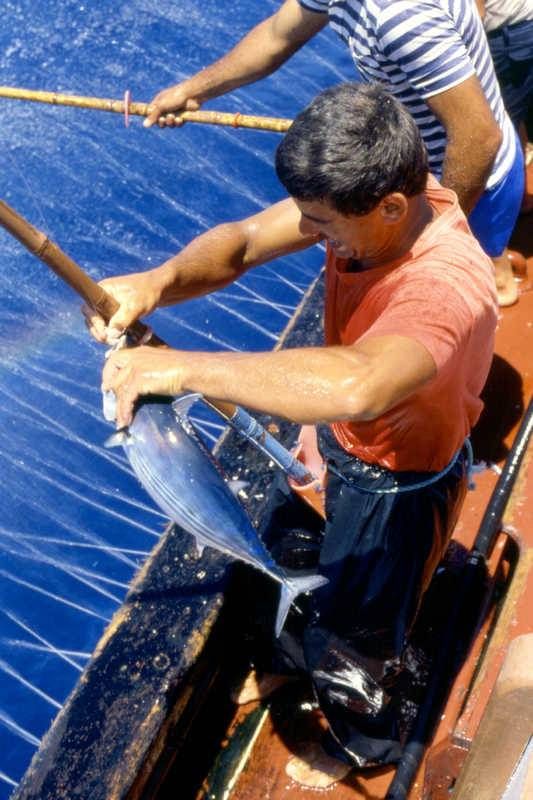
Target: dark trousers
(378, 549)
(511, 47)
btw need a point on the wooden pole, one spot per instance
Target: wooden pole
(276, 124)
(95, 296)
(47, 251)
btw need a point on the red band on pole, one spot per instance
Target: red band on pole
(127, 101)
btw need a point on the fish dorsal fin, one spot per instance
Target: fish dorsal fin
(182, 404)
(120, 438)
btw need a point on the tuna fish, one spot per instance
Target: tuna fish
(184, 480)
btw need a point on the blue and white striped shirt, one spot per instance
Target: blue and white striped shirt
(417, 49)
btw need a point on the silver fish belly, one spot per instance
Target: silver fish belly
(184, 480)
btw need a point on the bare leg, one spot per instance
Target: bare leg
(315, 768)
(258, 687)
(505, 282)
(527, 202)
(523, 136)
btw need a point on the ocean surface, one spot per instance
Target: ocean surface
(74, 523)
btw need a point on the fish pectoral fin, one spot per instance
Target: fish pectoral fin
(120, 438)
(182, 404)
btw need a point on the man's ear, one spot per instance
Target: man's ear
(393, 207)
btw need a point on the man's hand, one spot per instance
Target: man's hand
(139, 371)
(175, 98)
(137, 295)
(265, 48)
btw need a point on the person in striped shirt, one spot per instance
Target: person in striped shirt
(433, 56)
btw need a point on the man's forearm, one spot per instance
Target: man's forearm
(305, 385)
(259, 53)
(473, 139)
(209, 262)
(312, 384)
(301, 385)
(219, 256)
(466, 170)
(249, 61)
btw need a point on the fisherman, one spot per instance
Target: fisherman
(433, 56)
(410, 315)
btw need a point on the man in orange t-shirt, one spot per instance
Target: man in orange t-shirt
(410, 319)
(440, 294)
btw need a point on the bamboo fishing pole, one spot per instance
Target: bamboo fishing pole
(130, 108)
(304, 482)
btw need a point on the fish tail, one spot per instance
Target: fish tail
(290, 589)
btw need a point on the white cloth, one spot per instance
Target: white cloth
(506, 12)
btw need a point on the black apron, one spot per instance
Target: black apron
(379, 548)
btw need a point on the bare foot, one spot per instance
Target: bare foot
(257, 687)
(518, 263)
(315, 768)
(505, 283)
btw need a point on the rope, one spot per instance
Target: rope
(411, 487)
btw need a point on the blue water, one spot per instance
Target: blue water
(74, 524)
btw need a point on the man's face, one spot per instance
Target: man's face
(362, 237)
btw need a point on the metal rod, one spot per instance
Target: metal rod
(252, 430)
(492, 518)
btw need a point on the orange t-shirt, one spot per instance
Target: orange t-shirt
(442, 294)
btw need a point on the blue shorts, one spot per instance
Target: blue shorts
(495, 214)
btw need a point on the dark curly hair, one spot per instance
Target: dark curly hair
(353, 145)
